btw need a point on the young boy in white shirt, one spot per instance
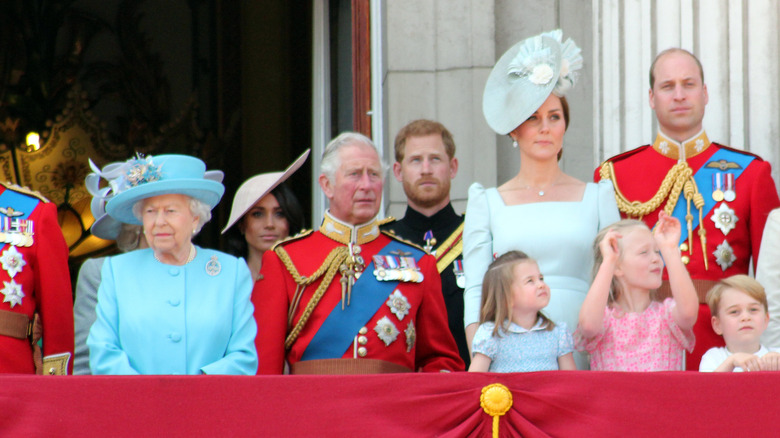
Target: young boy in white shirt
(739, 314)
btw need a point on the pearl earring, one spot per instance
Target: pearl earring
(514, 143)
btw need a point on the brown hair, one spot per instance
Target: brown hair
(674, 50)
(497, 292)
(421, 128)
(742, 283)
(598, 257)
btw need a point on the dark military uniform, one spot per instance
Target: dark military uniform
(446, 227)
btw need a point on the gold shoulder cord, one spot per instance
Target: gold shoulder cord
(678, 180)
(455, 249)
(328, 268)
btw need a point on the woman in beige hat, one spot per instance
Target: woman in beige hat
(266, 211)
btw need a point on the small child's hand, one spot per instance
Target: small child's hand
(609, 246)
(746, 361)
(666, 231)
(770, 362)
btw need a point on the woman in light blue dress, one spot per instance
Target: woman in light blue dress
(551, 216)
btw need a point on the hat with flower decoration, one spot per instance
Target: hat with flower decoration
(525, 76)
(145, 177)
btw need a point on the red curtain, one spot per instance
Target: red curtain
(557, 403)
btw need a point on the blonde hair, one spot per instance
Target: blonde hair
(497, 292)
(742, 283)
(598, 257)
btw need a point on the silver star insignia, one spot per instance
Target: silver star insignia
(13, 293)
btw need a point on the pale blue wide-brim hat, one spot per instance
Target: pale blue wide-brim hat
(163, 175)
(525, 76)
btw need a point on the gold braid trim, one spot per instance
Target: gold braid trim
(678, 180)
(329, 268)
(670, 188)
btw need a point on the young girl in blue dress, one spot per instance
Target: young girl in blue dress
(514, 335)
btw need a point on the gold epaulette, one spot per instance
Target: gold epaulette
(385, 221)
(300, 235)
(394, 236)
(24, 190)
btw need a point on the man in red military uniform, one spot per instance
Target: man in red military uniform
(722, 196)
(348, 298)
(35, 284)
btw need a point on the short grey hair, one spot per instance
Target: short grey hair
(331, 162)
(198, 208)
(129, 237)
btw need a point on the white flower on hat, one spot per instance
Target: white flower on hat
(542, 74)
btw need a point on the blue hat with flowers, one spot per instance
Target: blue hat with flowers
(145, 177)
(525, 76)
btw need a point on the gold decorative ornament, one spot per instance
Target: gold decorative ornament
(495, 400)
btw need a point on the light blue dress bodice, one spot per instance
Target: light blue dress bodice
(154, 318)
(558, 235)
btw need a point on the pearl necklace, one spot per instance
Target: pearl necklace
(190, 257)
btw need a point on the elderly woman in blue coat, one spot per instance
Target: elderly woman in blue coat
(173, 308)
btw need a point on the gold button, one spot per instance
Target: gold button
(52, 371)
(685, 260)
(362, 340)
(684, 246)
(362, 352)
(363, 331)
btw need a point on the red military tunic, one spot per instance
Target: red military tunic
(420, 341)
(44, 280)
(639, 173)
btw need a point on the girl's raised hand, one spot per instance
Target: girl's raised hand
(609, 246)
(667, 230)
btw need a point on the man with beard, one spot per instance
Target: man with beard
(425, 164)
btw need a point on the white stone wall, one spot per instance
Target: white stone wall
(439, 53)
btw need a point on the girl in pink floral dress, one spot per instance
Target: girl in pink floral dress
(621, 325)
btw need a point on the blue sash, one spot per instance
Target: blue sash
(340, 328)
(703, 178)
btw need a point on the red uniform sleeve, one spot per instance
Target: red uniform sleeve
(269, 297)
(435, 349)
(53, 294)
(763, 200)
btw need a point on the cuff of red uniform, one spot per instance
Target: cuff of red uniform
(56, 364)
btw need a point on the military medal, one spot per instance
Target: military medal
(730, 194)
(411, 336)
(725, 219)
(430, 242)
(398, 304)
(460, 276)
(386, 330)
(13, 293)
(397, 268)
(17, 232)
(213, 267)
(724, 255)
(717, 186)
(12, 261)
